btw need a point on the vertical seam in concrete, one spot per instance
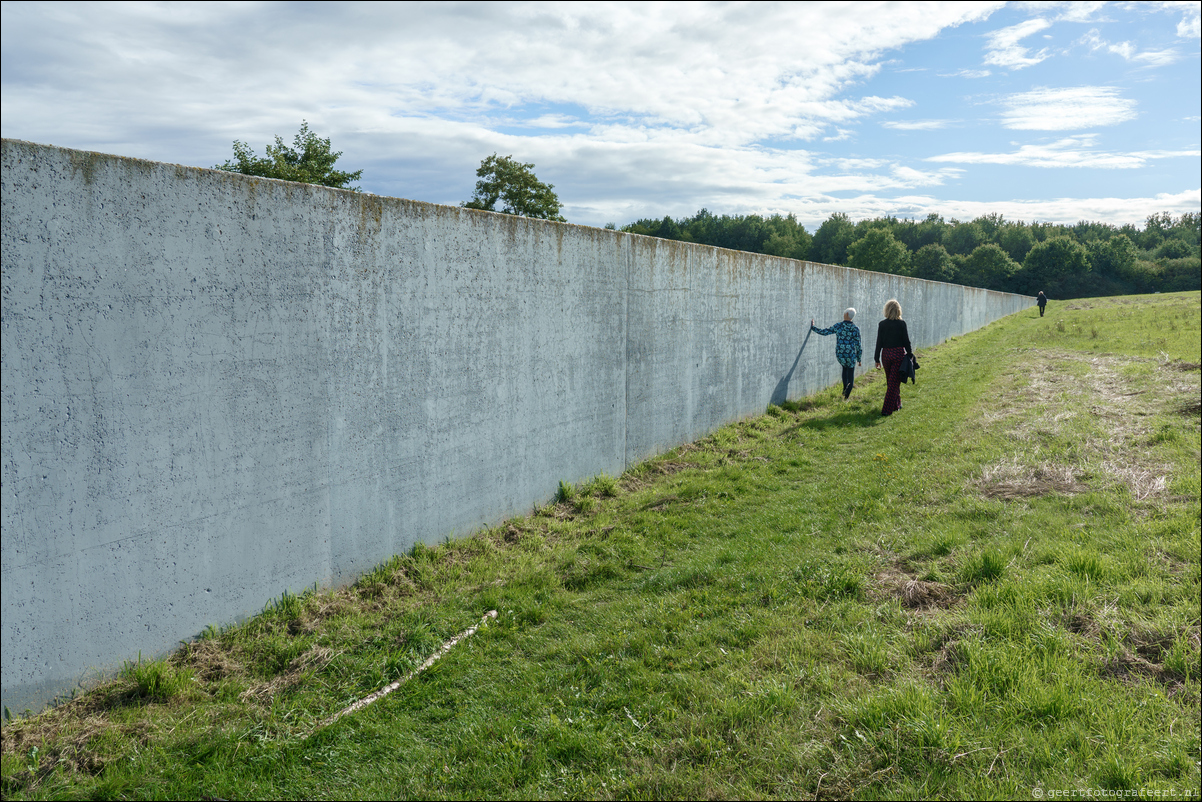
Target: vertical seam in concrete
(326, 277)
(627, 244)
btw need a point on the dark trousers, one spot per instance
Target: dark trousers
(849, 380)
(891, 359)
(1041, 310)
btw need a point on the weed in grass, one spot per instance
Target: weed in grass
(987, 566)
(944, 544)
(1086, 564)
(157, 680)
(1118, 773)
(867, 652)
(600, 486)
(1181, 661)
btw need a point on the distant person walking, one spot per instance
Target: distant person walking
(848, 349)
(892, 346)
(1042, 300)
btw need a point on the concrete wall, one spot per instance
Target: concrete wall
(217, 388)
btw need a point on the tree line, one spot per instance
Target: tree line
(1065, 261)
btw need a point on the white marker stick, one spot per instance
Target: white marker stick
(380, 694)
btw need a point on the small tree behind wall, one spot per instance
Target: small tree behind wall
(308, 161)
(516, 187)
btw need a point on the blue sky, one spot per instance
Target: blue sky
(1038, 111)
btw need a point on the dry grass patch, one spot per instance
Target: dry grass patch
(634, 481)
(211, 660)
(913, 593)
(66, 741)
(301, 667)
(1047, 394)
(1011, 479)
(1143, 481)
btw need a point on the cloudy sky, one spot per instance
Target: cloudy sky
(1039, 111)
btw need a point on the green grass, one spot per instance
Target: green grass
(995, 590)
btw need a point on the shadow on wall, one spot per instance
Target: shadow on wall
(781, 394)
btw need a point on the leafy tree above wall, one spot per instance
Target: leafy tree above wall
(308, 161)
(516, 187)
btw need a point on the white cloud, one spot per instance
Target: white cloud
(915, 125)
(1078, 151)
(1004, 49)
(812, 211)
(1078, 11)
(1190, 26)
(1129, 52)
(248, 71)
(967, 74)
(1124, 49)
(1113, 210)
(909, 177)
(1157, 58)
(859, 164)
(1063, 109)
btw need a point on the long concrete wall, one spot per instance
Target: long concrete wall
(217, 388)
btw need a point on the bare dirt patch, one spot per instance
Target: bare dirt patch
(660, 503)
(1080, 623)
(1141, 653)
(952, 654)
(1129, 667)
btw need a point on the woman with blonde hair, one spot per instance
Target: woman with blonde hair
(892, 346)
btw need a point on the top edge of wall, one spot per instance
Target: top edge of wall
(92, 156)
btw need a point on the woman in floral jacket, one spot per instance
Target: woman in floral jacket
(848, 350)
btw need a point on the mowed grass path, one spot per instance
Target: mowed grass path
(994, 591)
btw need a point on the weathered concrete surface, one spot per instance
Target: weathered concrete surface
(217, 388)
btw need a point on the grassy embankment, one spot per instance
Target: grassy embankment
(995, 590)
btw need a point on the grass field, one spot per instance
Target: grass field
(993, 593)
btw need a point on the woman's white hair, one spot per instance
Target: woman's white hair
(849, 313)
